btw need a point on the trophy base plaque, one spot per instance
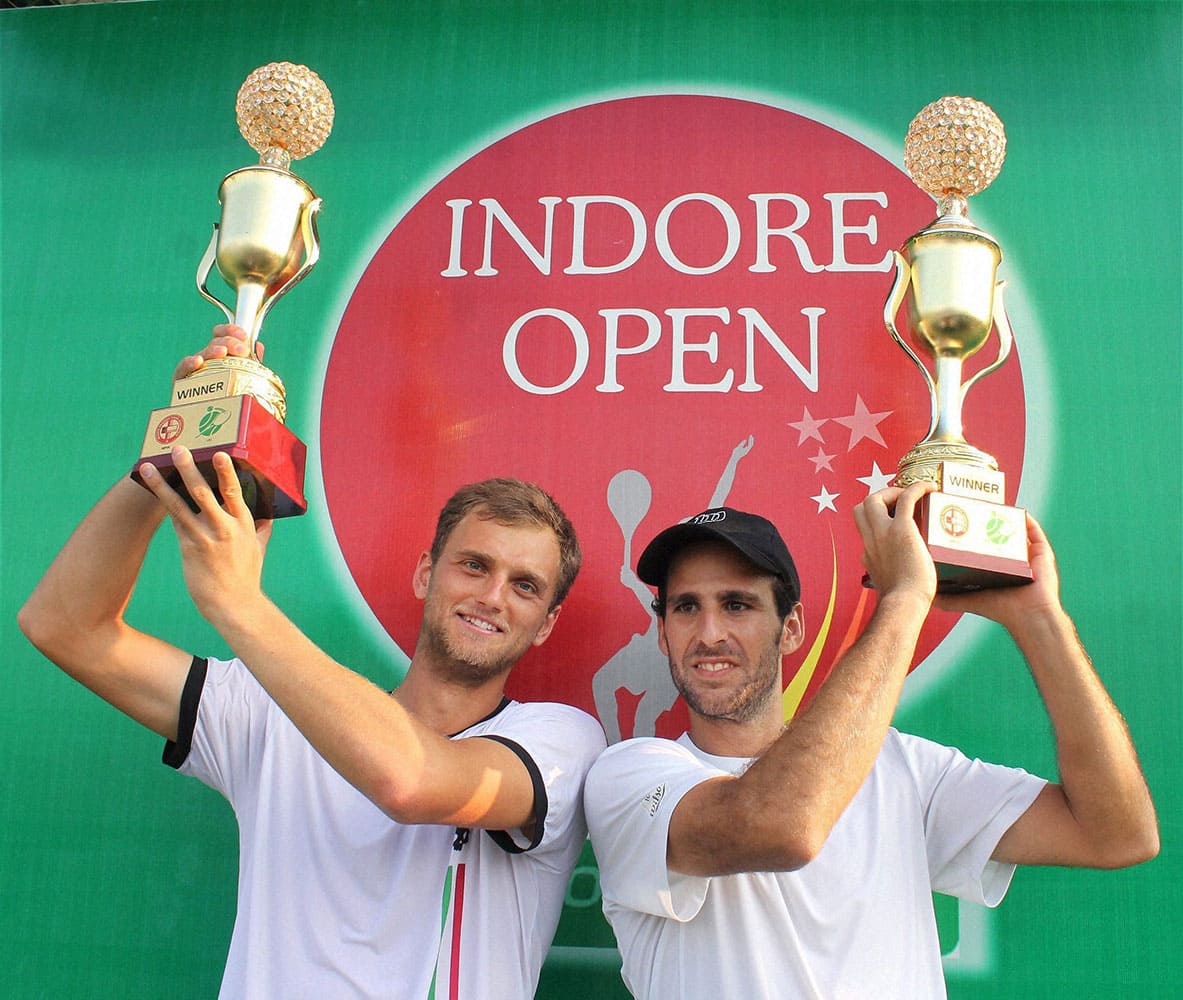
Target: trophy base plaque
(975, 544)
(976, 541)
(269, 457)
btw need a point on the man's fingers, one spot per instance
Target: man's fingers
(226, 340)
(174, 504)
(229, 486)
(199, 490)
(235, 340)
(876, 509)
(229, 331)
(907, 499)
(228, 497)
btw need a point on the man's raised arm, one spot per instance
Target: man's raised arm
(75, 614)
(410, 770)
(778, 814)
(1100, 814)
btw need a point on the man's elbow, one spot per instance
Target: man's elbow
(393, 798)
(804, 846)
(1141, 844)
(44, 630)
(59, 633)
(404, 799)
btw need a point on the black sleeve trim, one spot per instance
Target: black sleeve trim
(500, 837)
(176, 752)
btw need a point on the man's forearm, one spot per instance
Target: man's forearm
(787, 802)
(408, 770)
(354, 725)
(826, 753)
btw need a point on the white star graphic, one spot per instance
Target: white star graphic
(876, 480)
(825, 500)
(807, 427)
(863, 424)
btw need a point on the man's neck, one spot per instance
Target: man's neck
(444, 705)
(728, 738)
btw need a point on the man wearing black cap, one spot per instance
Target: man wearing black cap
(753, 859)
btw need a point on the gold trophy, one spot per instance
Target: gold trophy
(946, 275)
(265, 243)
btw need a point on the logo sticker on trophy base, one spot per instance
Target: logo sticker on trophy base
(269, 457)
(975, 544)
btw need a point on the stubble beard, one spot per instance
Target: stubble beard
(737, 706)
(463, 666)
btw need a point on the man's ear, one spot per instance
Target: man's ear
(792, 633)
(551, 617)
(422, 575)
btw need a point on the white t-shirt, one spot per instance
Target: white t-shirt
(856, 922)
(337, 900)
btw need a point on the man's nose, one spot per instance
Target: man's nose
(712, 628)
(494, 591)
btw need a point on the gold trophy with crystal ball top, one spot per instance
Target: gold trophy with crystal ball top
(264, 244)
(945, 276)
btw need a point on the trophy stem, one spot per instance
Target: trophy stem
(948, 400)
(248, 310)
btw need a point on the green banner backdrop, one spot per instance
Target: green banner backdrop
(116, 876)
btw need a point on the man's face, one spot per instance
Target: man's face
(722, 634)
(487, 599)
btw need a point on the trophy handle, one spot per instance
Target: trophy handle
(891, 307)
(311, 238)
(1006, 339)
(203, 270)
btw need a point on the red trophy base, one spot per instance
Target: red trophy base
(269, 457)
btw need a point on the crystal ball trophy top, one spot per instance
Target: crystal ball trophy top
(945, 276)
(264, 244)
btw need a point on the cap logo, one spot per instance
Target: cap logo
(709, 518)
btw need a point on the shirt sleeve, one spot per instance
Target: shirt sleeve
(631, 795)
(557, 744)
(968, 805)
(224, 720)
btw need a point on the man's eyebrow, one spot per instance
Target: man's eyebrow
(722, 596)
(747, 596)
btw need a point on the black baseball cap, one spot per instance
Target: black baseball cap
(752, 535)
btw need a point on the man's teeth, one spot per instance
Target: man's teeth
(713, 667)
(482, 625)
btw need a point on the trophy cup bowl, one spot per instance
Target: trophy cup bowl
(951, 306)
(264, 244)
(260, 239)
(946, 277)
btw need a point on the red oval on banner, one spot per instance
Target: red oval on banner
(648, 306)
